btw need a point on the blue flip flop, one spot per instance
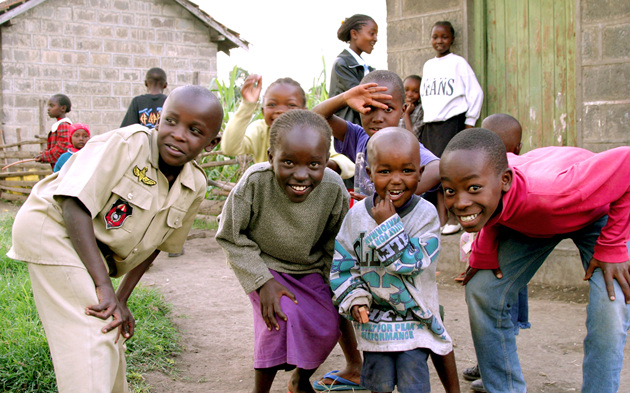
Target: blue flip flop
(341, 384)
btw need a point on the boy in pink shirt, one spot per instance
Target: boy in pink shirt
(523, 207)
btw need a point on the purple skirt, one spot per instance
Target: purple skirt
(312, 328)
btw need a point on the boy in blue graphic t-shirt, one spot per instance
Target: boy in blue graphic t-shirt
(385, 262)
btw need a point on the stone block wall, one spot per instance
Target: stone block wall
(97, 52)
(604, 47)
(409, 24)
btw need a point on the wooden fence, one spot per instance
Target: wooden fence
(17, 180)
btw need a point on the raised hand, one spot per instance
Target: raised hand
(363, 97)
(251, 88)
(270, 294)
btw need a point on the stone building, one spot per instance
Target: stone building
(561, 67)
(97, 52)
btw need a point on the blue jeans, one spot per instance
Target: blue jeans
(489, 307)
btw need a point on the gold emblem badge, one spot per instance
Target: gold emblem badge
(142, 177)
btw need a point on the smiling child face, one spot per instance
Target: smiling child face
(189, 123)
(378, 118)
(412, 91)
(394, 168)
(365, 38)
(280, 98)
(472, 187)
(299, 161)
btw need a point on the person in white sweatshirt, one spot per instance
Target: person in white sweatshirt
(451, 99)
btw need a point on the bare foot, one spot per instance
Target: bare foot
(299, 384)
(350, 375)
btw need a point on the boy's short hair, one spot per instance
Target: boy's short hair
(64, 100)
(288, 81)
(414, 77)
(155, 75)
(480, 139)
(508, 129)
(386, 77)
(355, 22)
(298, 118)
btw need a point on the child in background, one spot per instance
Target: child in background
(510, 132)
(451, 99)
(379, 99)
(128, 194)
(145, 109)
(241, 137)
(413, 114)
(278, 229)
(79, 135)
(522, 207)
(57, 142)
(361, 32)
(385, 261)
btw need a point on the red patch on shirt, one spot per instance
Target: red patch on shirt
(118, 213)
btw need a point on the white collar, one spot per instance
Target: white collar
(357, 58)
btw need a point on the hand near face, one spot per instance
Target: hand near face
(408, 109)
(363, 97)
(383, 210)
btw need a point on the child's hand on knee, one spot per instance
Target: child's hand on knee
(471, 271)
(611, 272)
(270, 294)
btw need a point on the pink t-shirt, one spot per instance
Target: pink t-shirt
(559, 190)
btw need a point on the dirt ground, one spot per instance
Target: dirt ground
(215, 318)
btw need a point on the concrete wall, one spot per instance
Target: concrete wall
(603, 58)
(604, 85)
(409, 24)
(97, 52)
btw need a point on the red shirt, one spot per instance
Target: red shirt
(58, 142)
(557, 190)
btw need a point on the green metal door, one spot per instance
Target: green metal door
(524, 58)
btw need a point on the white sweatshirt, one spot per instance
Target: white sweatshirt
(449, 87)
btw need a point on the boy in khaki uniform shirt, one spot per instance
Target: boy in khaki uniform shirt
(127, 195)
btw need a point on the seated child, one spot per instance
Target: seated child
(379, 99)
(278, 229)
(522, 207)
(57, 142)
(79, 135)
(241, 137)
(127, 194)
(413, 113)
(385, 259)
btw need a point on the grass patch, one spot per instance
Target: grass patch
(25, 364)
(209, 224)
